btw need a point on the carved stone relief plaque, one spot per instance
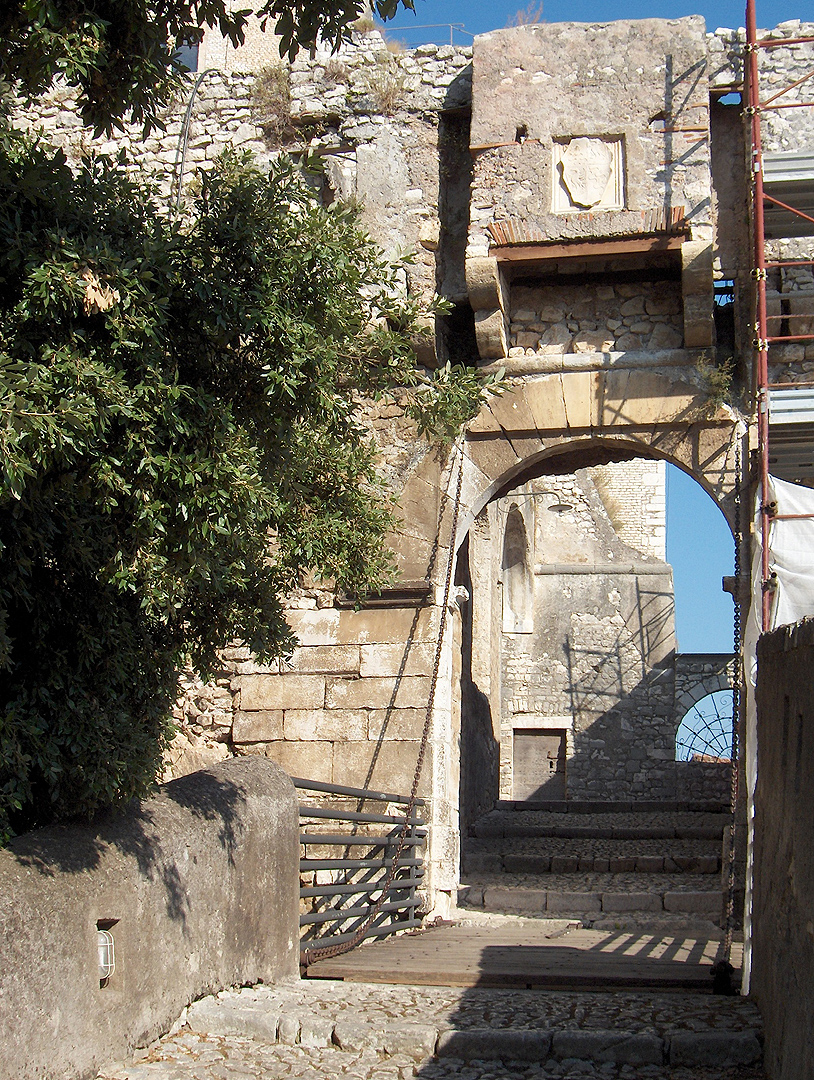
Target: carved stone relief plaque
(586, 169)
(588, 174)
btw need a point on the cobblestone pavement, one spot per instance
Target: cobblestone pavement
(581, 846)
(547, 819)
(591, 881)
(323, 1028)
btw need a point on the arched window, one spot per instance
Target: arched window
(517, 580)
(706, 729)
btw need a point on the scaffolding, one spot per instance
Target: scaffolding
(782, 208)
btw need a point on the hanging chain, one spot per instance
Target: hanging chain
(737, 676)
(325, 952)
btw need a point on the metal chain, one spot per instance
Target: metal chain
(325, 952)
(736, 708)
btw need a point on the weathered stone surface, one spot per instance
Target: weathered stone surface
(409, 692)
(335, 725)
(586, 341)
(324, 659)
(649, 864)
(484, 863)
(631, 901)
(483, 281)
(508, 1045)
(564, 864)
(579, 391)
(418, 509)
(253, 727)
(586, 170)
(497, 898)
(573, 901)
(315, 627)
(184, 924)
(394, 768)
(490, 333)
(382, 626)
(701, 902)
(527, 864)
(619, 1046)
(208, 1016)
(395, 725)
(390, 660)
(310, 760)
(264, 692)
(715, 1048)
(415, 1040)
(316, 1031)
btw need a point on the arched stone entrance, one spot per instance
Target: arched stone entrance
(552, 423)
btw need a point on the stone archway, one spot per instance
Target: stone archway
(604, 414)
(548, 423)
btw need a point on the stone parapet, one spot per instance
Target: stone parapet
(198, 887)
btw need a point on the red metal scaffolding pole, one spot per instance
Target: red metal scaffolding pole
(755, 108)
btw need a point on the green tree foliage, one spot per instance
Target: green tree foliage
(178, 441)
(178, 405)
(119, 53)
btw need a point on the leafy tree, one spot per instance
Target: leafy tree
(178, 441)
(178, 407)
(119, 54)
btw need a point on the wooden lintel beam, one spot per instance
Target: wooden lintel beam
(539, 252)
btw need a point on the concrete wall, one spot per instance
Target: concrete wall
(783, 898)
(201, 885)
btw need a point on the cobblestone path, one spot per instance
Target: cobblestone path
(321, 1028)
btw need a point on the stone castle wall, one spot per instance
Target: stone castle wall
(609, 343)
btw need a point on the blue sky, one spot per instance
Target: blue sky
(701, 550)
(478, 16)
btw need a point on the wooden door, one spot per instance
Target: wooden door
(538, 765)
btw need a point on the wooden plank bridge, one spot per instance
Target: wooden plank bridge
(536, 957)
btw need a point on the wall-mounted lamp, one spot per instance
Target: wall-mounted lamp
(106, 950)
(559, 506)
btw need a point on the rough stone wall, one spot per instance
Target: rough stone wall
(394, 132)
(370, 114)
(635, 500)
(790, 290)
(783, 893)
(198, 886)
(595, 656)
(552, 82)
(584, 318)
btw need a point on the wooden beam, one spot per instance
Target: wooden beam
(585, 249)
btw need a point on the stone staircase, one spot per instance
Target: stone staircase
(597, 861)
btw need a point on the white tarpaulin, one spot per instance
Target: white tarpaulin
(791, 560)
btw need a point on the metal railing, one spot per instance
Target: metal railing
(338, 886)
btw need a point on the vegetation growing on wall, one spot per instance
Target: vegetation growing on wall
(271, 102)
(119, 54)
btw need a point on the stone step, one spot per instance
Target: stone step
(633, 1029)
(639, 806)
(601, 898)
(500, 829)
(484, 862)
